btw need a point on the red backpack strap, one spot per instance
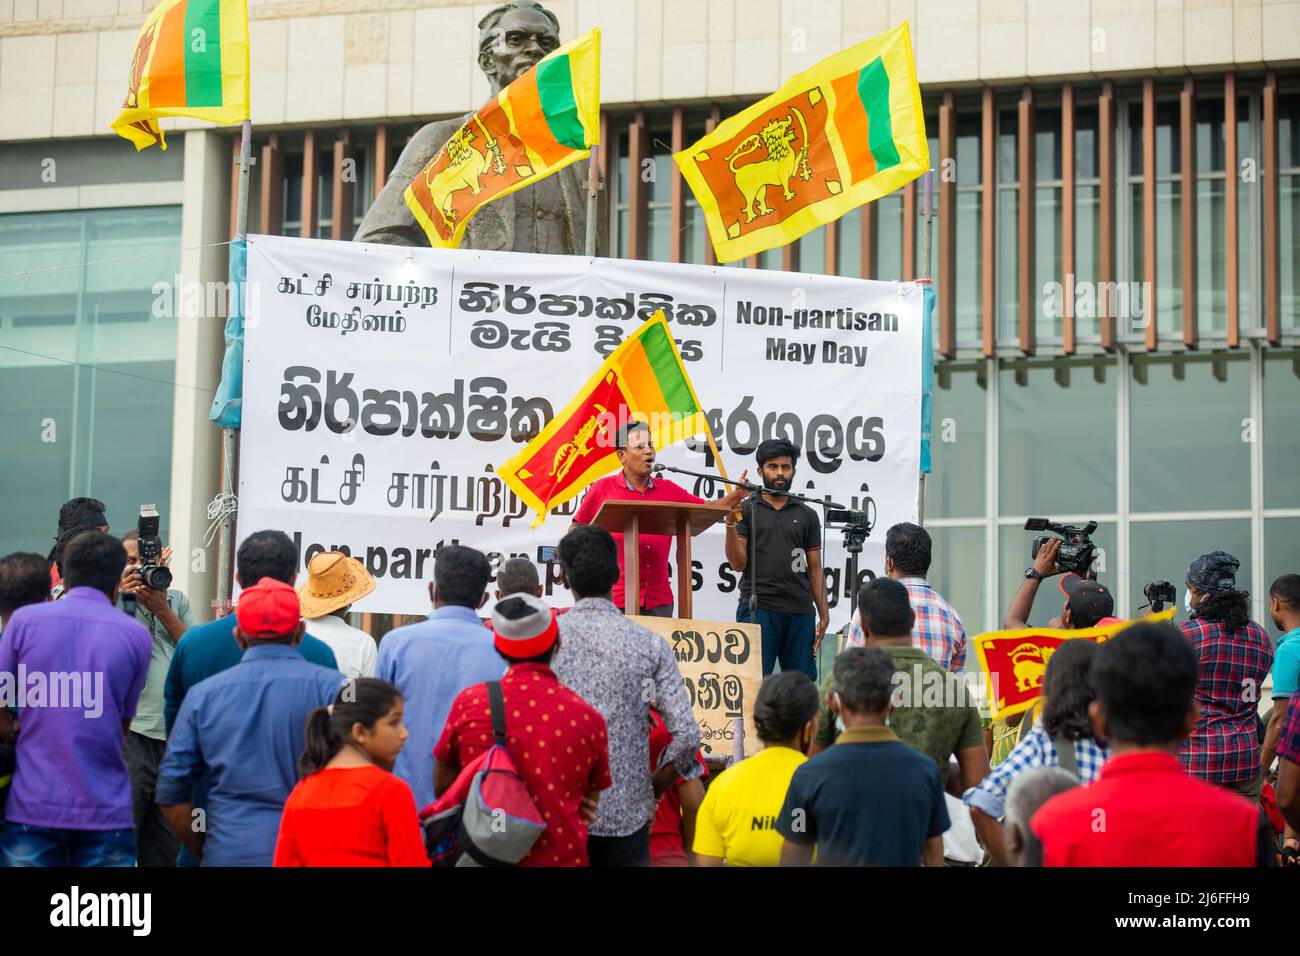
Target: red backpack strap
(497, 704)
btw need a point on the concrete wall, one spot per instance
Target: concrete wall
(63, 63)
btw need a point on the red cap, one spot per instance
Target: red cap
(268, 609)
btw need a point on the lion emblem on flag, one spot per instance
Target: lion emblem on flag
(466, 166)
(782, 165)
(1029, 664)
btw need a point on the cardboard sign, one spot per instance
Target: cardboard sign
(722, 667)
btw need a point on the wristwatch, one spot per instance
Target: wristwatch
(1032, 573)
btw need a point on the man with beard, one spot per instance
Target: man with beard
(786, 545)
(636, 453)
(549, 216)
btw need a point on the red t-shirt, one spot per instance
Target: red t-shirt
(350, 816)
(666, 845)
(1145, 811)
(656, 589)
(558, 743)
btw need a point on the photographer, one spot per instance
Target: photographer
(1087, 603)
(167, 615)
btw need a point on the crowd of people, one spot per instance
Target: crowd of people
(281, 735)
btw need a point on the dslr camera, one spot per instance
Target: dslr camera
(1077, 550)
(1158, 594)
(151, 571)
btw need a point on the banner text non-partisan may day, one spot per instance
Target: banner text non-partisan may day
(383, 386)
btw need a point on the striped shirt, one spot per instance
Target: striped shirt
(937, 631)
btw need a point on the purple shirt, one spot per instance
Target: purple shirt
(74, 669)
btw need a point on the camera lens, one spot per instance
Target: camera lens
(158, 578)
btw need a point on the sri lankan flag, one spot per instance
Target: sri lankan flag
(642, 379)
(540, 123)
(846, 132)
(191, 59)
(1014, 662)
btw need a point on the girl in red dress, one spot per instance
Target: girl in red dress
(349, 809)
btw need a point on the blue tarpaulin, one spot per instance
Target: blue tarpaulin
(927, 374)
(227, 407)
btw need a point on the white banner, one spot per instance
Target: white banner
(383, 386)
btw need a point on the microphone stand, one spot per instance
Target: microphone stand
(756, 492)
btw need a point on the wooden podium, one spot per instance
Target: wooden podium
(634, 518)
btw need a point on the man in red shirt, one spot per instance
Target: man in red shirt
(1144, 810)
(556, 739)
(636, 453)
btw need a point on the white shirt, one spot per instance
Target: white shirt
(353, 648)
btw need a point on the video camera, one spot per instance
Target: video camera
(1077, 550)
(1158, 594)
(856, 525)
(151, 571)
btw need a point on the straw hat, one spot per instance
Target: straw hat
(333, 581)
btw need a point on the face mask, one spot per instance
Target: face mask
(1187, 602)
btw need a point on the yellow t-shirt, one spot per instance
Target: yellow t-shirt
(737, 820)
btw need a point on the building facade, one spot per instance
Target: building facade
(1116, 198)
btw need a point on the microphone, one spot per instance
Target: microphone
(658, 468)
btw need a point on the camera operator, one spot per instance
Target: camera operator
(1087, 603)
(167, 615)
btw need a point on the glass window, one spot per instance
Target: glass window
(1057, 437)
(1288, 130)
(86, 380)
(1188, 441)
(969, 248)
(1282, 430)
(957, 574)
(1211, 264)
(1007, 223)
(1163, 550)
(889, 237)
(1169, 258)
(1248, 223)
(812, 251)
(1281, 556)
(1087, 215)
(955, 487)
(848, 249)
(1015, 549)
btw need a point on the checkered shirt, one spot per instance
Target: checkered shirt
(1224, 747)
(938, 630)
(1036, 749)
(1288, 745)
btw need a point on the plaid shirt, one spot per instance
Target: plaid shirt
(1224, 747)
(1036, 749)
(1288, 745)
(938, 630)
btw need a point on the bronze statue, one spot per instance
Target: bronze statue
(549, 216)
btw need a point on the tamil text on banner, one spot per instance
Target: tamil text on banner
(845, 132)
(190, 59)
(1015, 661)
(540, 123)
(722, 667)
(384, 387)
(644, 378)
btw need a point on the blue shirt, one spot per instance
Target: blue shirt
(1286, 664)
(431, 662)
(245, 727)
(210, 649)
(74, 669)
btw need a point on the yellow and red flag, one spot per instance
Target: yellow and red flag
(540, 123)
(843, 133)
(1015, 661)
(191, 59)
(643, 378)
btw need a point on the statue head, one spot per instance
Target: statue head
(513, 38)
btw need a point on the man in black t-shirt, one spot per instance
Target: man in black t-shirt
(785, 538)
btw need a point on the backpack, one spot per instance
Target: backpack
(487, 817)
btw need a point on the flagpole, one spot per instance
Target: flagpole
(224, 577)
(593, 192)
(927, 231)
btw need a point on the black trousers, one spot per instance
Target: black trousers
(156, 844)
(630, 850)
